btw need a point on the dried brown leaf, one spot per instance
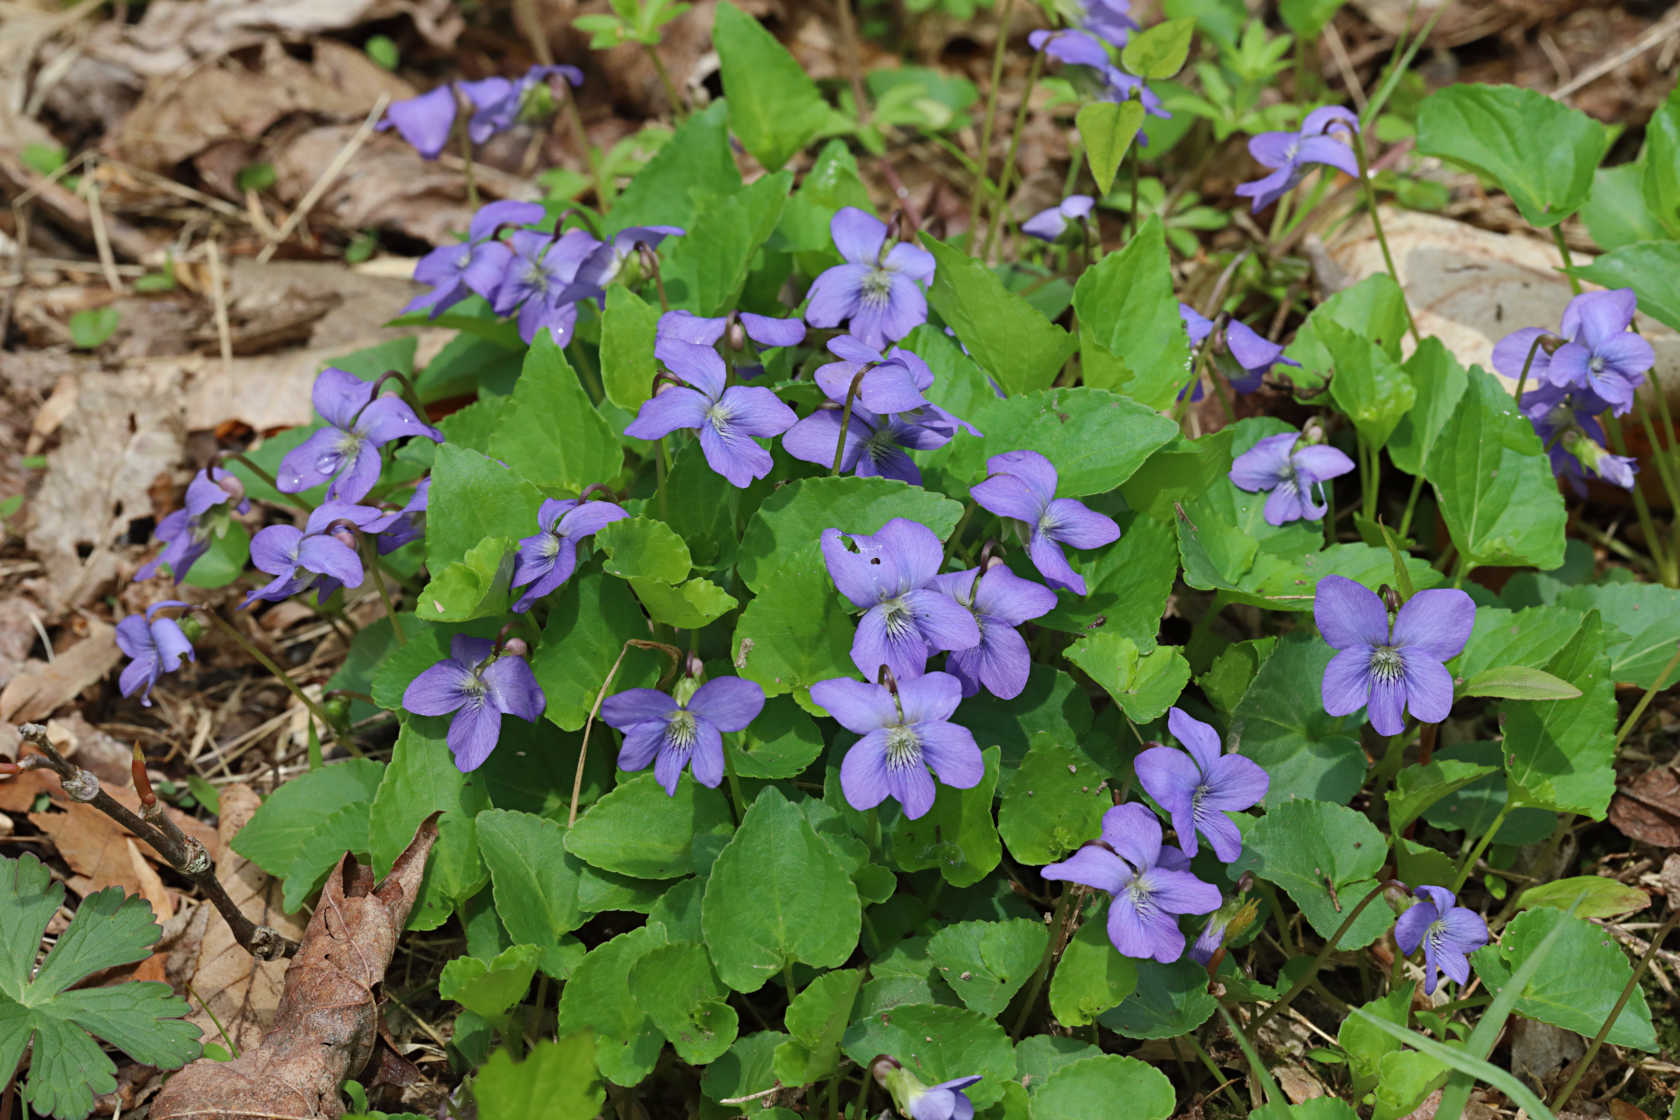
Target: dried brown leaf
(94, 845)
(43, 687)
(1648, 808)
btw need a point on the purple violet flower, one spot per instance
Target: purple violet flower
(1051, 223)
(890, 576)
(944, 1101)
(892, 382)
(424, 121)
(603, 265)
(1200, 788)
(727, 418)
(345, 453)
(1109, 20)
(1293, 472)
(905, 733)
(1022, 485)
(537, 281)
(1448, 933)
(1390, 668)
(672, 734)
(768, 332)
(546, 560)
(399, 527)
(1243, 348)
(479, 688)
(1601, 355)
(1076, 48)
(475, 265)
(187, 532)
(502, 103)
(1000, 601)
(1290, 154)
(1566, 420)
(878, 292)
(1147, 897)
(322, 554)
(157, 646)
(876, 445)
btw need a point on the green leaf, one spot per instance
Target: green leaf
(817, 1018)
(490, 989)
(1404, 1079)
(343, 831)
(1145, 686)
(1642, 623)
(986, 963)
(746, 1069)
(1493, 482)
(777, 894)
(1308, 17)
(637, 830)
(91, 326)
(533, 877)
(475, 586)
(474, 498)
(627, 1044)
(1313, 1108)
(1418, 787)
(421, 779)
(956, 835)
(1090, 978)
(1660, 182)
(708, 266)
(1131, 337)
(557, 1080)
(145, 1020)
(1127, 586)
(1577, 984)
(642, 548)
(1092, 1087)
(291, 816)
(1010, 339)
(1366, 1045)
(1054, 803)
(695, 163)
(1170, 1000)
(1107, 129)
(1439, 383)
(588, 621)
(1529, 638)
(1374, 309)
(1282, 725)
(675, 987)
(1326, 857)
(628, 329)
(780, 743)
(774, 106)
(937, 1043)
(687, 606)
(1517, 682)
(396, 669)
(1616, 212)
(1458, 1059)
(1559, 753)
(1591, 896)
(1650, 268)
(1368, 386)
(1158, 52)
(551, 433)
(794, 633)
(1541, 152)
(225, 560)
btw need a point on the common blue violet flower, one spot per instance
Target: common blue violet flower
(1200, 788)
(1566, 420)
(1290, 155)
(769, 332)
(345, 454)
(456, 271)
(424, 121)
(1390, 669)
(322, 554)
(500, 103)
(480, 689)
(876, 445)
(1147, 897)
(604, 263)
(1449, 933)
(1109, 20)
(878, 292)
(1000, 601)
(944, 1101)
(157, 646)
(727, 418)
(904, 735)
(889, 575)
(538, 281)
(892, 382)
(1293, 472)
(672, 734)
(1051, 223)
(399, 527)
(1022, 485)
(1251, 355)
(1600, 354)
(1076, 48)
(547, 558)
(187, 532)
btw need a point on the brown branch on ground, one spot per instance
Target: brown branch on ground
(185, 854)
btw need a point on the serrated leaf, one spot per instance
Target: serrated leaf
(695, 163)
(1144, 685)
(1012, 340)
(421, 779)
(1368, 385)
(675, 987)
(283, 827)
(474, 498)
(817, 1018)
(1326, 857)
(1559, 754)
(1091, 977)
(780, 743)
(1158, 52)
(551, 433)
(957, 835)
(343, 831)
(629, 327)
(638, 830)
(1108, 130)
(643, 548)
(1649, 268)
(774, 106)
(1170, 1000)
(1418, 787)
(1374, 309)
(490, 989)
(476, 586)
(1091, 1088)
(627, 1044)
(1282, 725)
(589, 619)
(708, 267)
(1438, 382)
(986, 963)
(556, 1080)
(1642, 628)
(533, 877)
(1054, 803)
(937, 1043)
(686, 606)
(1131, 337)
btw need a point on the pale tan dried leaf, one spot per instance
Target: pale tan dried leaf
(151, 886)
(43, 687)
(94, 845)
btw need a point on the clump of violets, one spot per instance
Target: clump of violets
(477, 265)
(1239, 351)
(1566, 420)
(1200, 786)
(1594, 353)
(1290, 155)
(1000, 600)
(1146, 896)
(479, 685)
(685, 730)
(1021, 485)
(321, 555)
(345, 455)
(187, 533)
(944, 1101)
(728, 417)
(878, 292)
(157, 646)
(907, 731)
(547, 558)
(889, 575)
(1390, 668)
(1050, 223)
(1449, 933)
(1291, 473)
(497, 104)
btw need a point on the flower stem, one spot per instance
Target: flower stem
(467, 164)
(1527, 362)
(1469, 863)
(1009, 160)
(1411, 506)
(370, 559)
(1376, 227)
(588, 724)
(1645, 700)
(280, 675)
(1660, 556)
(1060, 930)
(603, 188)
(736, 799)
(984, 161)
(846, 419)
(1568, 263)
(679, 108)
(1306, 977)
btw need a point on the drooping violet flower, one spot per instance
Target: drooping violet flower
(1567, 423)
(727, 418)
(1242, 354)
(322, 554)
(399, 527)
(607, 261)
(547, 558)
(502, 103)
(1602, 354)
(1147, 897)
(1051, 223)
(187, 532)
(1292, 472)
(892, 382)
(424, 121)
(157, 646)
(944, 1101)
(480, 687)
(1390, 669)
(1229, 921)
(1109, 20)
(1449, 933)
(1000, 601)
(876, 445)
(1022, 485)
(878, 292)
(345, 454)
(1290, 155)
(476, 265)
(889, 576)
(1076, 48)
(1201, 788)
(673, 733)
(905, 733)
(538, 279)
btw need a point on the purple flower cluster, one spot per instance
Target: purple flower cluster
(1021, 486)
(345, 455)
(727, 417)
(497, 105)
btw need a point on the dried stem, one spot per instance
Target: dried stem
(186, 855)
